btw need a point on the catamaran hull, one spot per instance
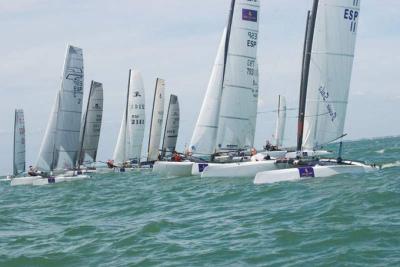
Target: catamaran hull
(318, 171)
(60, 179)
(173, 169)
(240, 169)
(275, 154)
(25, 180)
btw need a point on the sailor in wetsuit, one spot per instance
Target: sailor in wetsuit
(32, 171)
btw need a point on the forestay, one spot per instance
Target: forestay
(236, 126)
(171, 125)
(205, 132)
(91, 124)
(330, 71)
(19, 142)
(156, 121)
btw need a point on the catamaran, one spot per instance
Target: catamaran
(90, 128)
(19, 144)
(326, 73)
(227, 118)
(171, 129)
(59, 150)
(130, 139)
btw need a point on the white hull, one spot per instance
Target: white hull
(60, 179)
(173, 169)
(275, 154)
(24, 180)
(318, 171)
(239, 169)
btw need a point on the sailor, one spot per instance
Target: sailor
(176, 157)
(255, 156)
(32, 171)
(268, 146)
(110, 164)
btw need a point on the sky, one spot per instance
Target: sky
(177, 40)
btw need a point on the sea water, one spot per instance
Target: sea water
(140, 219)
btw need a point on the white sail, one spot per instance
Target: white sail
(156, 121)
(19, 142)
(171, 125)
(91, 124)
(130, 138)
(280, 122)
(235, 125)
(330, 71)
(136, 115)
(253, 105)
(46, 158)
(70, 110)
(205, 131)
(121, 147)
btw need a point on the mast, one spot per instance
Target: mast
(151, 120)
(228, 36)
(126, 111)
(80, 156)
(307, 49)
(277, 132)
(53, 162)
(165, 127)
(15, 171)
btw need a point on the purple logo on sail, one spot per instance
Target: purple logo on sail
(306, 172)
(249, 15)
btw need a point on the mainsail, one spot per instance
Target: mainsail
(91, 124)
(280, 122)
(171, 125)
(130, 138)
(156, 121)
(330, 68)
(19, 143)
(205, 131)
(227, 119)
(235, 124)
(59, 149)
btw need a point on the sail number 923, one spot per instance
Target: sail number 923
(252, 41)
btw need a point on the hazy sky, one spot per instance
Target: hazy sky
(177, 40)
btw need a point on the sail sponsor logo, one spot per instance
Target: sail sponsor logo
(202, 166)
(352, 16)
(325, 97)
(306, 172)
(75, 75)
(249, 15)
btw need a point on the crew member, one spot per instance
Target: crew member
(176, 157)
(32, 171)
